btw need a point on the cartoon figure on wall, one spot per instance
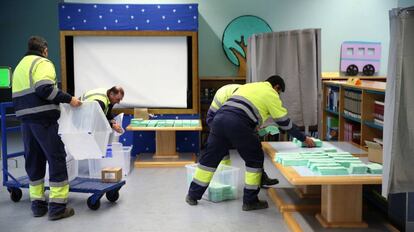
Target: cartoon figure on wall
(359, 56)
(236, 35)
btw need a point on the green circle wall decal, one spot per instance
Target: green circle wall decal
(236, 35)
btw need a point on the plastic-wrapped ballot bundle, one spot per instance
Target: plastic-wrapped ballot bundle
(84, 130)
(114, 137)
(222, 187)
(117, 156)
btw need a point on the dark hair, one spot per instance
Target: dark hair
(115, 90)
(37, 44)
(276, 80)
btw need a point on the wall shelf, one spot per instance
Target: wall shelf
(351, 128)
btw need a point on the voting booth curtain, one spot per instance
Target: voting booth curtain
(398, 136)
(295, 56)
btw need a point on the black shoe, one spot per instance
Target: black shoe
(190, 200)
(68, 212)
(39, 208)
(266, 181)
(255, 205)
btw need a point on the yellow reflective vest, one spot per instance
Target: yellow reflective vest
(97, 94)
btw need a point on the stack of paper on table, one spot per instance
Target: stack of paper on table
(374, 168)
(356, 168)
(332, 171)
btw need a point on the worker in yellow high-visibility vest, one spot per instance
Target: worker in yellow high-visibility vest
(221, 96)
(106, 98)
(235, 124)
(36, 101)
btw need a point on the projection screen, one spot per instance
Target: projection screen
(152, 70)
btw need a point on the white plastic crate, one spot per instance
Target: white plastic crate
(118, 156)
(224, 184)
(84, 130)
(72, 167)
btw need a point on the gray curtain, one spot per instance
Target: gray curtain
(398, 136)
(295, 56)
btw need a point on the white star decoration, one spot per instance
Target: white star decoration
(100, 16)
(95, 6)
(142, 10)
(168, 28)
(148, 21)
(174, 10)
(127, 6)
(68, 17)
(158, 6)
(179, 21)
(136, 28)
(110, 10)
(116, 20)
(163, 17)
(84, 21)
(79, 10)
(132, 17)
(63, 6)
(104, 28)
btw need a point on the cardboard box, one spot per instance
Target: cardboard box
(111, 175)
(374, 152)
(141, 113)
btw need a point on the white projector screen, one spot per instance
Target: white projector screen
(152, 70)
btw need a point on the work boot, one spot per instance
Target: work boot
(190, 200)
(39, 208)
(266, 181)
(255, 205)
(68, 212)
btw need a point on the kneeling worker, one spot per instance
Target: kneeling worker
(106, 98)
(221, 96)
(235, 124)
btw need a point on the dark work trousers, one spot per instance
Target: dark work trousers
(42, 143)
(231, 126)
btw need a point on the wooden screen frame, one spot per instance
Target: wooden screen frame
(195, 109)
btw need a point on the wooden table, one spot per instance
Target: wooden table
(165, 147)
(341, 196)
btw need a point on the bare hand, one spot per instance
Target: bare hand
(117, 127)
(309, 141)
(75, 102)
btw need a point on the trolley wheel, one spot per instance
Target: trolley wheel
(15, 194)
(368, 70)
(352, 70)
(93, 206)
(112, 195)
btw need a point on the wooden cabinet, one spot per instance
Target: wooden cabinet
(208, 87)
(353, 113)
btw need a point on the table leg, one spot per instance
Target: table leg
(341, 206)
(165, 145)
